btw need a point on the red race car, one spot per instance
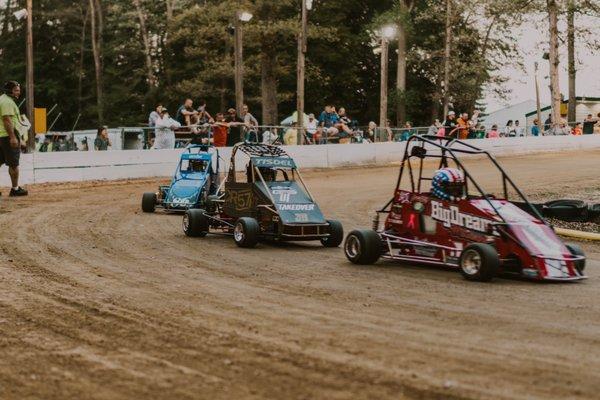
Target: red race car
(437, 220)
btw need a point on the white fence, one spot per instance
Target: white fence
(123, 164)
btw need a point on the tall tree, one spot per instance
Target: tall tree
(97, 27)
(447, 60)
(571, 59)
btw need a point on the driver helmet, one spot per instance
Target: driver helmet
(448, 184)
(197, 165)
(267, 173)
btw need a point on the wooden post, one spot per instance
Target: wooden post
(301, 71)
(239, 68)
(383, 94)
(554, 63)
(29, 79)
(572, 115)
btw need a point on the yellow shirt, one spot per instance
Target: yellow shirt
(8, 107)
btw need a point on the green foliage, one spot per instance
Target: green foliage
(192, 55)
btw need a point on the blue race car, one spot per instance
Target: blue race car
(196, 178)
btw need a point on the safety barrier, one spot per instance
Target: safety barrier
(124, 164)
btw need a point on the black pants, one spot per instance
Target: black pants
(9, 155)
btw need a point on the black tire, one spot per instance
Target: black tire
(336, 234)
(567, 210)
(479, 262)
(246, 232)
(577, 251)
(195, 223)
(594, 211)
(363, 246)
(148, 202)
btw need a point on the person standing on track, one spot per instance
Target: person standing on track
(10, 141)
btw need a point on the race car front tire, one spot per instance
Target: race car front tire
(195, 223)
(577, 251)
(336, 234)
(148, 202)
(363, 246)
(246, 232)
(479, 262)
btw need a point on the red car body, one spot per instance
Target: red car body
(420, 227)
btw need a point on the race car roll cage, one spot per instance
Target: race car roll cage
(449, 147)
(264, 150)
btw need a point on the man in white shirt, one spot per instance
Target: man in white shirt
(165, 135)
(311, 128)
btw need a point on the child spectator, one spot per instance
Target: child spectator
(577, 129)
(493, 133)
(219, 129)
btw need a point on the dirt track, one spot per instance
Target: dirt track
(98, 300)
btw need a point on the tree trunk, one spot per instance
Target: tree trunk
(571, 60)
(447, 48)
(554, 62)
(401, 77)
(96, 38)
(268, 85)
(169, 9)
(6, 18)
(150, 77)
(85, 17)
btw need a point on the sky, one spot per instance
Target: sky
(532, 43)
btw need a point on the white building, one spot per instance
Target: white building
(516, 112)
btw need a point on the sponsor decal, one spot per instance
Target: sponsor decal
(296, 207)
(285, 193)
(301, 217)
(181, 200)
(452, 216)
(273, 162)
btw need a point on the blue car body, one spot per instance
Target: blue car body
(189, 188)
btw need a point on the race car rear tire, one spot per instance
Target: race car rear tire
(195, 223)
(479, 262)
(148, 202)
(577, 251)
(246, 232)
(363, 246)
(336, 234)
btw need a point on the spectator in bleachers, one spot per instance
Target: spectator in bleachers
(250, 125)
(434, 128)
(388, 130)
(235, 134)
(204, 116)
(493, 133)
(535, 129)
(588, 124)
(577, 129)
(154, 115)
(219, 129)
(327, 122)
(509, 129)
(165, 131)
(311, 129)
(186, 115)
(372, 132)
(463, 124)
(102, 142)
(450, 124)
(519, 131)
(290, 138)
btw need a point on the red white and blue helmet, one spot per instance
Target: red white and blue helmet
(448, 184)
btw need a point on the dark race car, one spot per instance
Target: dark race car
(435, 219)
(196, 177)
(268, 200)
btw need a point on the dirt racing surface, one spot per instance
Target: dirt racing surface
(100, 301)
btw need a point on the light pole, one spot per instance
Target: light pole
(306, 6)
(388, 32)
(240, 16)
(20, 14)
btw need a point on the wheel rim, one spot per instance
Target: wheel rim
(238, 232)
(186, 222)
(352, 246)
(471, 262)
